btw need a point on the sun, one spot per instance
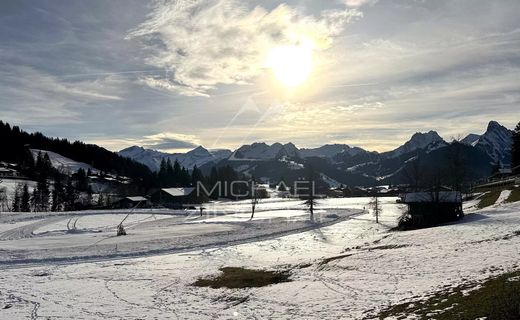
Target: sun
(291, 64)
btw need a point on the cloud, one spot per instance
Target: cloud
(28, 91)
(201, 44)
(359, 3)
(169, 141)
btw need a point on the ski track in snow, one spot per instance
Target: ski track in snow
(370, 268)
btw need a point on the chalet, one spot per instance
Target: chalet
(8, 173)
(133, 202)
(174, 197)
(501, 174)
(431, 208)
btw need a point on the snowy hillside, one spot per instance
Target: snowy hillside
(152, 158)
(64, 164)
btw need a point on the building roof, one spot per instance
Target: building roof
(136, 199)
(443, 196)
(178, 192)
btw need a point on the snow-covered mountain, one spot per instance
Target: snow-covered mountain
(330, 151)
(340, 161)
(471, 139)
(263, 151)
(496, 142)
(152, 158)
(429, 141)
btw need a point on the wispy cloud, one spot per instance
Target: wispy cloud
(202, 44)
(359, 3)
(169, 141)
(27, 91)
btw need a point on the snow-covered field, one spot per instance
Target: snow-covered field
(343, 266)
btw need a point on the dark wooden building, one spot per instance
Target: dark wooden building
(432, 208)
(133, 202)
(174, 197)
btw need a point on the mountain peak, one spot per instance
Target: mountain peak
(132, 149)
(199, 151)
(471, 139)
(426, 136)
(428, 140)
(496, 142)
(494, 125)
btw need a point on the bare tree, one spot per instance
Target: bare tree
(254, 201)
(375, 205)
(311, 196)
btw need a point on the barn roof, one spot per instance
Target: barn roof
(136, 199)
(443, 196)
(178, 192)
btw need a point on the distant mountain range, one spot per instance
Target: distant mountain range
(343, 164)
(196, 157)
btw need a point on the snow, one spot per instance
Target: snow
(503, 196)
(137, 198)
(178, 192)
(331, 182)
(64, 164)
(373, 267)
(10, 185)
(471, 139)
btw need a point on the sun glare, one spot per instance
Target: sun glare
(291, 64)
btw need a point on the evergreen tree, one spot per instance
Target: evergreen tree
(177, 174)
(17, 199)
(89, 196)
(163, 173)
(81, 180)
(25, 202)
(4, 201)
(185, 177)
(34, 199)
(58, 193)
(101, 200)
(515, 150)
(213, 176)
(196, 176)
(42, 193)
(71, 196)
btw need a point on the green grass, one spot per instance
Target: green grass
(232, 277)
(495, 299)
(489, 198)
(514, 196)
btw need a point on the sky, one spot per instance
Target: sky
(172, 75)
